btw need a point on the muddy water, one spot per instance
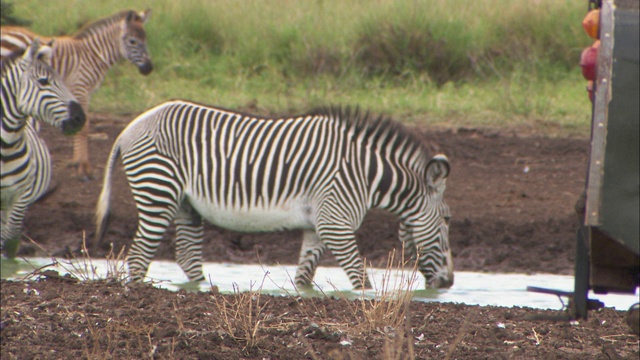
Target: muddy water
(470, 287)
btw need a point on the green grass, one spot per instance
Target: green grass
(445, 63)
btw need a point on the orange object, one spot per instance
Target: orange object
(591, 23)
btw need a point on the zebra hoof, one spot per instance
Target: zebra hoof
(304, 286)
(84, 176)
(83, 171)
(10, 248)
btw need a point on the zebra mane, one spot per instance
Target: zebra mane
(374, 127)
(91, 27)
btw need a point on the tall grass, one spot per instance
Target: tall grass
(450, 63)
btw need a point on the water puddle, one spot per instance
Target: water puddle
(470, 287)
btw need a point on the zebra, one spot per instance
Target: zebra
(30, 88)
(320, 172)
(84, 58)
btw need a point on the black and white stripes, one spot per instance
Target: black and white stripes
(30, 88)
(83, 60)
(319, 172)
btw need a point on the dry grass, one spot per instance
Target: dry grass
(241, 315)
(81, 266)
(387, 311)
(464, 329)
(243, 318)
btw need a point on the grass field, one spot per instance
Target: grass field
(442, 63)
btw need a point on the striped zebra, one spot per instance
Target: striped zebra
(84, 59)
(319, 172)
(30, 88)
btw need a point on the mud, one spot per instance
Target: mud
(512, 197)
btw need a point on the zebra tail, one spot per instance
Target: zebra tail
(104, 201)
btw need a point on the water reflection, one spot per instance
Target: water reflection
(470, 287)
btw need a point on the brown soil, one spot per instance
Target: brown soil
(512, 199)
(57, 318)
(504, 218)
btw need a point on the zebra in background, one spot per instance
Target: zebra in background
(82, 60)
(319, 172)
(30, 88)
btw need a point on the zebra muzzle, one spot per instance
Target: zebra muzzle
(76, 119)
(146, 67)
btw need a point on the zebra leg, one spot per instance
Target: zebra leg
(152, 225)
(12, 219)
(84, 172)
(141, 253)
(310, 255)
(189, 238)
(342, 243)
(408, 244)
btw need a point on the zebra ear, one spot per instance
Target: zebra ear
(44, 53)
(437, 171)
(32, 53)
(141, 16)
(144, 15)
(36, 51)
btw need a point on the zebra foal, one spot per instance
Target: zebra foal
(83, 59)
(319, 172)
(30, 88)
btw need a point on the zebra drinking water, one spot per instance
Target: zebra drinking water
(319, 172)
(30, 88)
(82, 60)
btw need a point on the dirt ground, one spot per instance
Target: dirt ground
(57, 318)
(512, 201)
(512, 197)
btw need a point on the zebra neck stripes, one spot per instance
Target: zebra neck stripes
(83, 63)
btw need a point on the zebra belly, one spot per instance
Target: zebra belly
(293, 215)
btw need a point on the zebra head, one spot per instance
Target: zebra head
(42, 95)
(427, 231)
(134, 41)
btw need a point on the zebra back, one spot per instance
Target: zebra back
(279, 157)
(15, 39)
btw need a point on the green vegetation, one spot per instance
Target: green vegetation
(444, 63)
(6, 15)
